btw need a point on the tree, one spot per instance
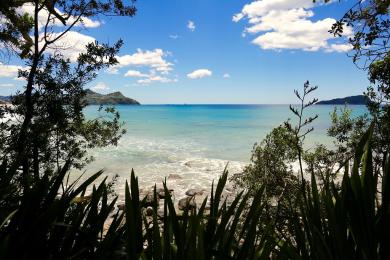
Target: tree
(370, 22)
(272, 163)
(51, 127)
(370, 41)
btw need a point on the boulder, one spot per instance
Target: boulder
(187, 203)
(193, 192)
(161, 192)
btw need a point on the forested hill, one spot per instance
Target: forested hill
(351, 100)
(115, 98)
(5, 99)
(93, 98)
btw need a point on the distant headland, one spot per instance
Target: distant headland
(115, 98)
(351, 100)
(5, 100)
(93, 98)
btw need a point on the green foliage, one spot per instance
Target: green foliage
(351, 223)
(370, 23)
(279, 216)
(323, 162)
(49, 127)
(16, 27)
(379, 93)
(328, 223)
(72, 225)
(270, 164)
(346, 131)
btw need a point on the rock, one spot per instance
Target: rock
(188, 164)
(121, 206)
(193, 192)
(199, 199)
(187, 203)
(148, 198)
(161, 192)
(174, 176)
(149, 211)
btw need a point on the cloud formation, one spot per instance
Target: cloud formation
(100, 87)
(155, 78)
(154, 59)
(9, 71)
(287, 24)
(135, 74)
(70, 45)
(200, 73)
(7, 85)
(44, 15)
(226, 76)
(191, 26)
(72, 42)
(146, 79)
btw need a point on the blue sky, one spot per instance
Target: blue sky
(213, 51)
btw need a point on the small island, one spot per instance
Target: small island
(115, 98)
(351, 100)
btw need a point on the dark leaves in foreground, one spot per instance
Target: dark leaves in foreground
(329, 223)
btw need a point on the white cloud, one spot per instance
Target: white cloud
(70, 45)
(100, 87)
(44, 14)
(146, 79)
(191, 26)
(155, 78)
(112, 70)
(154, 59)
(174, 36)
(9, 71)
(7, 85)
(135, 74)
(200, 73)
(340, 47)
(287, 24)
(226, 76)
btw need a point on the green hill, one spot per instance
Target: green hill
(93, 98)
(351, 100)
(115, 98)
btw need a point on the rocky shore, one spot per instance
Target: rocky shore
(192, 200)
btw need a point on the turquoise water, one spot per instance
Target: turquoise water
(195, 141)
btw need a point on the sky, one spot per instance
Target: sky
(217, 52)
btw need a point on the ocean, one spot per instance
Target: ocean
(190, 145)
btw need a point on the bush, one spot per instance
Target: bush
(328, 223)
